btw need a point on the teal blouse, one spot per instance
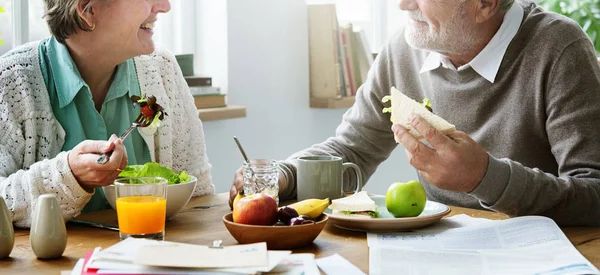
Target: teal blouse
(73, 107)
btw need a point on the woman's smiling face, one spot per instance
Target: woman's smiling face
(127, 25)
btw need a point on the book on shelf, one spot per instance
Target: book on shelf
(345, 32)
(339, 56)
(198, 81)
(342, 63)
(363, 53)
(325, 79)
(210, 101)
(205, 90)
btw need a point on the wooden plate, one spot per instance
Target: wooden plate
(276, 237)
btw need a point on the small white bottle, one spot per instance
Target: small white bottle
(48, 235)
(7, 232)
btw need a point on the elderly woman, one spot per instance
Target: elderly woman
(63, 97)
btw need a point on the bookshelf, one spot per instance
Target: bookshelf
(221, 113)
(339, 59)
(210, 102)
(332, 103)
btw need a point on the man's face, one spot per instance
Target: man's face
(444, 26)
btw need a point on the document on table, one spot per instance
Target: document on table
(336, 264)
(523, 245)
(296, 264)
(140, 256)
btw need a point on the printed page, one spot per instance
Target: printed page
(522, 245)
(456, 221)
(336, 264)
(555, 260)
(297, 264)
(505, 234)
(199, 256)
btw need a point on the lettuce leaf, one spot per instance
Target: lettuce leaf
(153, 169)
(374, 214)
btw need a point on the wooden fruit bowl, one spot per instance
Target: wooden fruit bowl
(276, 237)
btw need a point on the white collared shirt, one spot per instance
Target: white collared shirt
(487, 62)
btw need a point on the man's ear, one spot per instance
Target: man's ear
(486, 9)
(85, 12)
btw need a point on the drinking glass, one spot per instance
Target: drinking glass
(261, 176)
(141, 207)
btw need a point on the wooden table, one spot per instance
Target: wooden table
(200, 223)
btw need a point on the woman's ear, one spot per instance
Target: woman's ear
(86, 13)
(486, 9)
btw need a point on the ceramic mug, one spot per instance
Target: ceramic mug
(322, 177)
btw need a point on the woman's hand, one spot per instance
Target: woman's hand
(89, 174)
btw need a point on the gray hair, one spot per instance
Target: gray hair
(63, 19)
(505, 5)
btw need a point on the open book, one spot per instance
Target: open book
(523, 245)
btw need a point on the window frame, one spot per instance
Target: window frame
(20, 21)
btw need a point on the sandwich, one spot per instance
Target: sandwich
(359, 205)
(403, 106)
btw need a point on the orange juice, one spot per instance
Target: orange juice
(141, 214)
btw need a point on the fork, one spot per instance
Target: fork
(140, 121)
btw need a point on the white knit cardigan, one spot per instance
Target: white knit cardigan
(31, 161)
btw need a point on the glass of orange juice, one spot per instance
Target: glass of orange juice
(141, 207)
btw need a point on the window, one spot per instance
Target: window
(21, 23)
(6, 26)
(38, 29)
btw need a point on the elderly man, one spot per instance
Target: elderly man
(523, 87)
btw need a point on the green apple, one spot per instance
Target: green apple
(405, 199)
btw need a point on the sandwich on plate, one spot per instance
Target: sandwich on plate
(403, 106)
(359, 205)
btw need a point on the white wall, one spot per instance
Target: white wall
(267, 60)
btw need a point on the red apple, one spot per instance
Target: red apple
(257, 209)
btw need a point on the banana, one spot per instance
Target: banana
(237, 198)
(311, 207)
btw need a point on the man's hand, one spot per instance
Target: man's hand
(89, 174)
(455, 162)
(238, 184)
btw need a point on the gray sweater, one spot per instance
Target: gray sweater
(539, 121)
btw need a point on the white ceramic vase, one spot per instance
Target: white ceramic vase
(48, 235)
(7, 232)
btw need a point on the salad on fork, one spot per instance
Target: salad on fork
(151, 113)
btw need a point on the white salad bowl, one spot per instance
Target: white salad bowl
(178, 195)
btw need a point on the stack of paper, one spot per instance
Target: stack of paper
(140, 256)
(523, 245)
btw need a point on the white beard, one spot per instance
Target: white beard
(455, 36)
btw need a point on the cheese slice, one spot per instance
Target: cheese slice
(355, 203)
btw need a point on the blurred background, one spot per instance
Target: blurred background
(257, 53)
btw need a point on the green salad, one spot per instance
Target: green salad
(153, 169)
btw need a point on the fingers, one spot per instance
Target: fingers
(419, 155)
(112, 138)
(94, 147)
(232, 194)
(239, 179)
(433, 136)
(458, 136)
(124, 162)
(118, 159)
(90, 174)
(238, 184)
